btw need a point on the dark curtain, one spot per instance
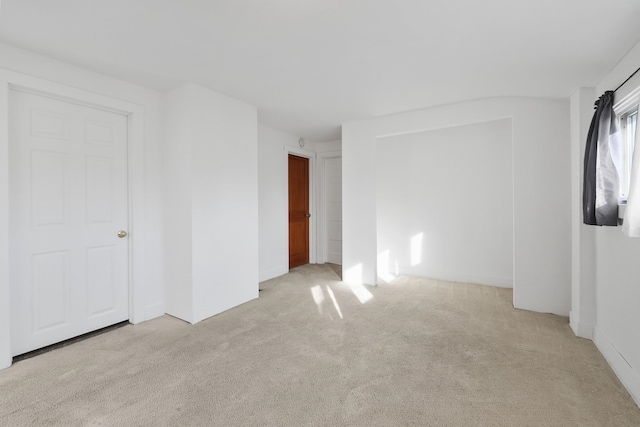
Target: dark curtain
(601, 182)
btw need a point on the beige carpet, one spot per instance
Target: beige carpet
(416, 352)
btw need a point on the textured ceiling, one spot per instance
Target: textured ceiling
(311, 65)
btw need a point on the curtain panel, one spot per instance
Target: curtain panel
(631, 223)
(602, 155)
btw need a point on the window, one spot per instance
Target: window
(628, 124)
(626, 100)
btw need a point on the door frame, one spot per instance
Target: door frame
(300, 152)
(10, 80)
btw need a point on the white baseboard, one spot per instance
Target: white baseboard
(581, 329)
(625, 372)
(271, 273)
(456, 276)
(573, 322)
(154, 310)
(5, 362)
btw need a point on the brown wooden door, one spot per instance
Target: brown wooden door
(298, 211)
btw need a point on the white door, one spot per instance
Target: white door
(333, 200)
(67, 203)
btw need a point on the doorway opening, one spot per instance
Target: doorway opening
(68, 192)
(299, 212)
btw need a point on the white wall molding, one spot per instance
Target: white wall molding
(629, 377)
(457, 276)
(581, 329)
(273, 272)
(302, 152)
(154, 310)
(135, 113)
(5, 307)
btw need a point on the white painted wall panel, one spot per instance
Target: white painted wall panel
(445, 204)
(224, 182)
(101, 279)
(50, 289)
(211, 204)
(49, 189)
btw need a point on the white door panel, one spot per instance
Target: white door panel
(68, 200)
(333, 209)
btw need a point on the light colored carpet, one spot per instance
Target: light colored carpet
(417, 352)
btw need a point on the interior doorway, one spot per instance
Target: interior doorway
(299, 212)
(68, 194)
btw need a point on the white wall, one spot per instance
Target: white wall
(583, 248)
(272, 201)
(445, 204)
(617, 270)
(211, 164)
(329, 147)
(542, 215)
(177, 134)
(151, 283)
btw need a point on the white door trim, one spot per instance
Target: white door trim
(13, 80)
(312, 200)
(322, 203)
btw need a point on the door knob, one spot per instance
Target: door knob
(122, 234)
(308, 215)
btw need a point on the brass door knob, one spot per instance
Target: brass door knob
(122, 234)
